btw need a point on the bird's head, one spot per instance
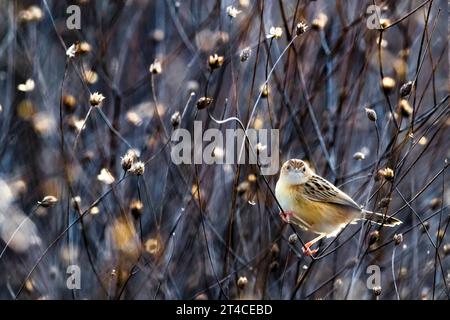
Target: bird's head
(295, 171)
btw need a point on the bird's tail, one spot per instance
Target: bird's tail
(380, 218)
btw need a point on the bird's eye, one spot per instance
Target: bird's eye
(288, 167)
(304, 169)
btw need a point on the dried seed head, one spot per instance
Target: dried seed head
(386, 173)
(76, 203)
(406, 88)
(71, 51)
(320, 21)
(155, 67)
(153, 246)
(105, 176)
(83, 48)
(440, 234)
(137, 168)
(31, 14)
(243, 187)
(301, 28)
(398, 238)
(136, 207)
(215, 61)
(446, 249)
(359, 155)
(128, 159)
(48, 201)
(27, 86)
(388, 84)
(384, 22)
(96, 99)
(94, 211)
(242, 282)
(175, 119)
(69, 102)
(275, 33)
(383, 203)
(245, 54)
(425, 227)
(275, 250)
(435, 203)
(204, 102)
(265, 91)
(376, 291)
(232, 12)
(371, 114)
(405, 108)
(374, 237)
(293, 238)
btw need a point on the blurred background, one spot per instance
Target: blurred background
(69, 212)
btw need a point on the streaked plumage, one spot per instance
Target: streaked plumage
(315, 204)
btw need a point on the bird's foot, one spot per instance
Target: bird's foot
(285, 216)
(307, 251)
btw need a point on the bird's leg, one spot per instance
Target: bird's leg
(286, 215)
(306, 249)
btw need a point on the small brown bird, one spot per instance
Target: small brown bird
(316, 205)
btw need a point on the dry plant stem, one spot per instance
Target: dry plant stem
(62, 234)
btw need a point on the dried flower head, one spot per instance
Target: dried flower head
(398, 238)
(275, 33)
(359, 155)
(245, 54)
(128, 159)
(435, 203)
(388, 84)
(232, 12)
(105, 176)
(293, 238)
(406, 88)
(94, 211)
(374, 236)
(446, 249)
(386, 173)
(371, 114)
(242, 282)
(265, 90)
(376, 291)
(275, 250)
(215, 61)
(383, 203)
(384, 22)
(69, 102)
(175, 119)
(137, 168)
(204, 102)
(31, 14)
(136, 207)
(76, 203)
(83, 47)
(320, 21)
(96, 99)
(405, 108)
(425, 227)
(71, 51)
(28, 86)
(48, 201)
(155, 67)
(301, 28)
(153, 246)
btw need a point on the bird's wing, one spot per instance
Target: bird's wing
(319, 189)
